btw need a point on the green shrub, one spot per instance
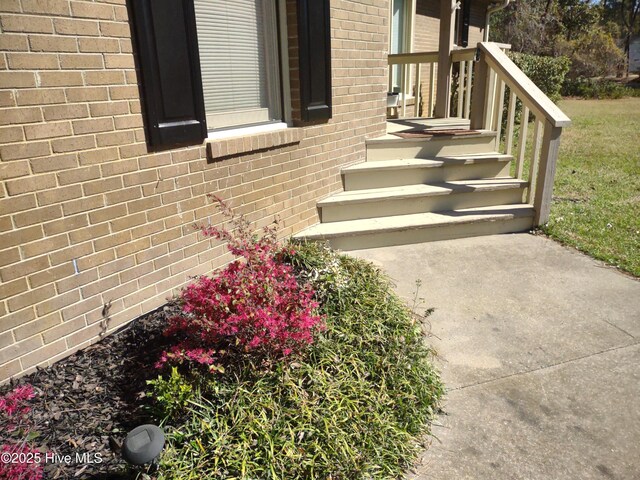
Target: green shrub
(355, 404)
(547, 73)
(592, 54)
(171, 394)
(597, 88)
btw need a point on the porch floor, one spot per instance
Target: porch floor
(396, 125)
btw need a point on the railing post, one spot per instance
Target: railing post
(498, 104)
(467, 93)
(480, 101)
(461, 84)
(511, 118)
(534, 163)
(418, 95)
(432, 89)
(546, 173)
(522, 141)
(403, 89)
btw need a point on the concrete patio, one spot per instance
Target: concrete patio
(539, 349)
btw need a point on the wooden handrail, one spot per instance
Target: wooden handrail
(494, 71)
(408, 58)
(522, 85)
(463, 54)
(503, 46)
(410, 73)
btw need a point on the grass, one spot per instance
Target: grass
(596, 206)
(355, 405)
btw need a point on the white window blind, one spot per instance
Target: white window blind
(397, 39)
(237, 41)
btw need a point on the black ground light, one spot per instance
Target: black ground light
(143, 444)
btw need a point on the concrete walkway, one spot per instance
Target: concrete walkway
(540, 351)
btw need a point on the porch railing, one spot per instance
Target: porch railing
(463, 58)
(413, 84)
(494, 73)
(485, 75)
(410, 80)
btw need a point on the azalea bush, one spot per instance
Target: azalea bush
(20, 461)
(255, 305)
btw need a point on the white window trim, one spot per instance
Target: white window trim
(287, 115)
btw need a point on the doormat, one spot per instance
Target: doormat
(435, 133)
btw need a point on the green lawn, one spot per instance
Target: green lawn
(596, 201)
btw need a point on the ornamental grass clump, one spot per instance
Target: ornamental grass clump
(353, 405)
(253, 306)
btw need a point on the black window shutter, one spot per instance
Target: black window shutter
(314, 39)
(464, 23)
(167, 48)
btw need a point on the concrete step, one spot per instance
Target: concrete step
(404, 124)
(391, 147)
(395, 173)
(405, 200)
(422, 227)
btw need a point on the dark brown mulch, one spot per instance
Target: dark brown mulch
(427, 133)
(87, 403)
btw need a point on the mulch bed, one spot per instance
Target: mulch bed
(435, 133)
(88, 402)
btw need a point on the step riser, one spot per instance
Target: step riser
(406, 206)
(390, 150)
(440, 126)
(448, 232)
(413, 176)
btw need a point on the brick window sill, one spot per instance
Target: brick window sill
(254, 142)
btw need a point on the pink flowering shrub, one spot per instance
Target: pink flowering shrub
(13, 404)
(25, 466)
(19, 460)
(254, 305)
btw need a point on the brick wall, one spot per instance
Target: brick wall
(95, 230)
(427, 26)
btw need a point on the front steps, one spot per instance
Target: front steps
(422, 227)
(396, 173)
(412, 190)
(423, 198)
(388, 148)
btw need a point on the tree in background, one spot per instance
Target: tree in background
(526, 25)
(576, 17)
(579, 29)
(623, 13)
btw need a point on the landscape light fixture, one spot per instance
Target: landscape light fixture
(143, 444)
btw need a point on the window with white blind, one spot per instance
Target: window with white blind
(401, 35)
(238, 47)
